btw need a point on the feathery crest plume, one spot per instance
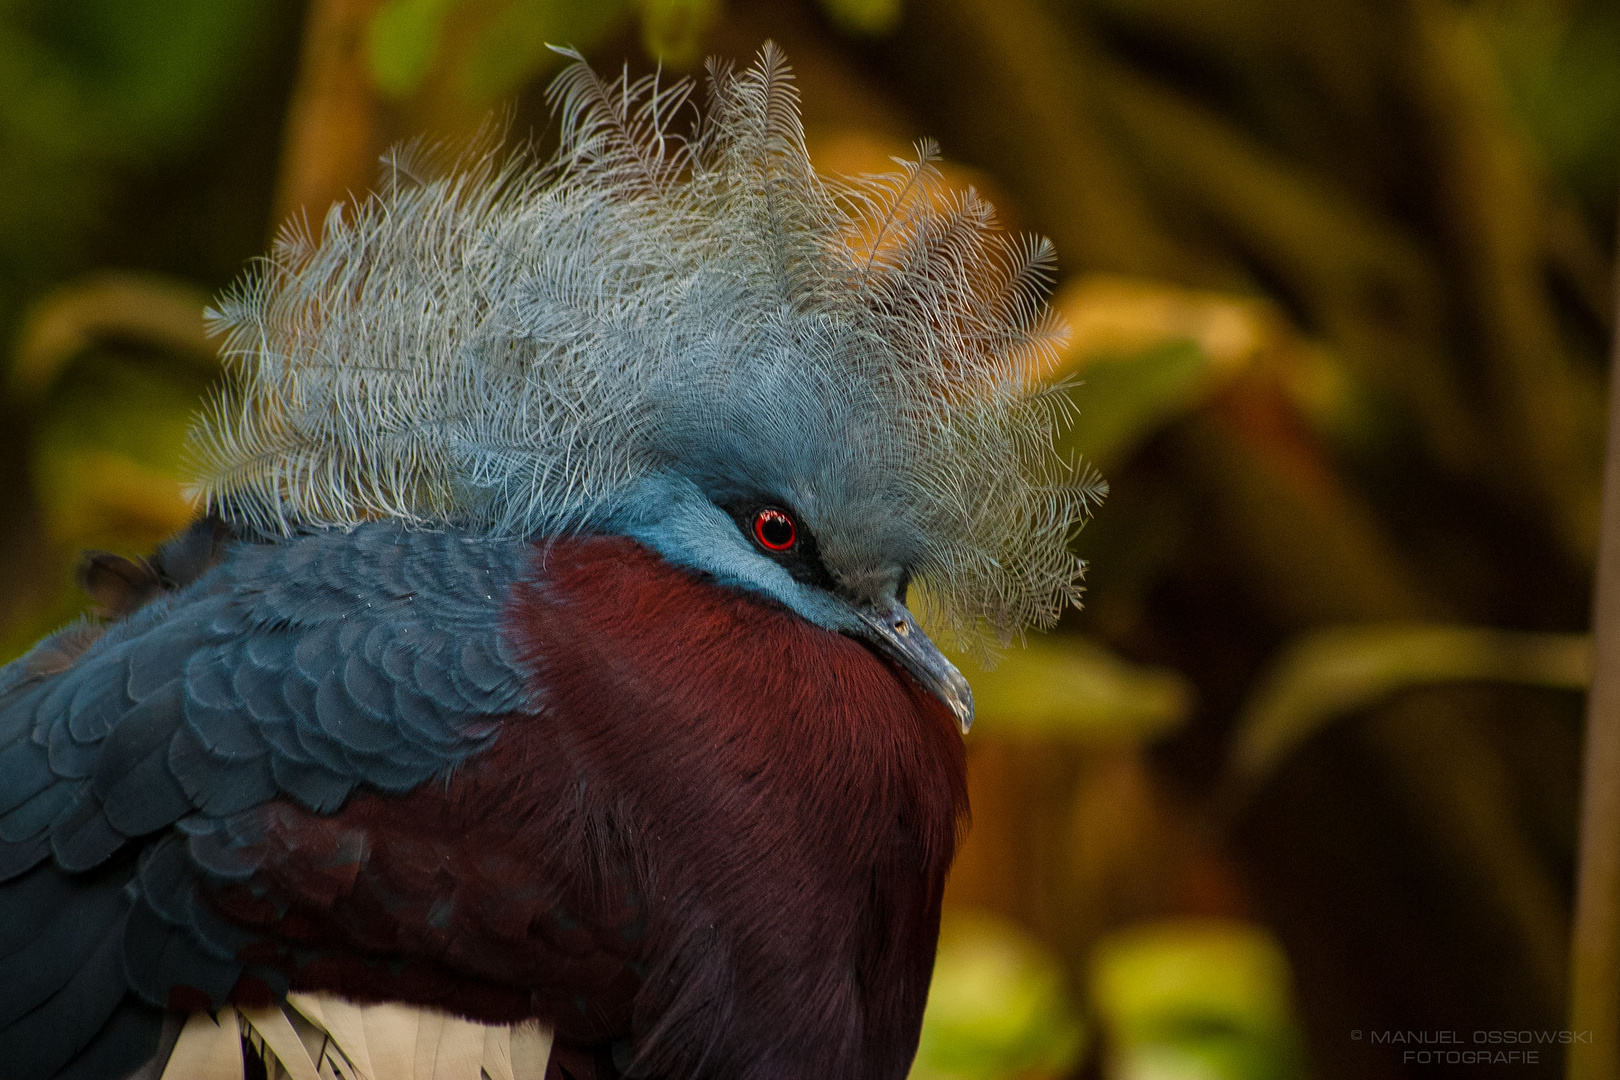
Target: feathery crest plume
(511, 348)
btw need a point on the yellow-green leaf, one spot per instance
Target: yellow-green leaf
(1196, 1000)
(1072, 687)
(402, 42)
(997, 1007)
(1332, 672)
(512, 47)
(672, 30)
(865, 18)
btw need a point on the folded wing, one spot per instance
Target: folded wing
(300, 669)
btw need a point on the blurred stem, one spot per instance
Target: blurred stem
(333, 133)
(1364, 285)
(1594, 993)
(1032, 116)
(137, 307)
(1319, 555)
(1498, 206)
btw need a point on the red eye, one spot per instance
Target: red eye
(774, 530)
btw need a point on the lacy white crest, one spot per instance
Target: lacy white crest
(509, 348)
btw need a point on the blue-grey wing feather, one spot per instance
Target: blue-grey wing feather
(301, 668)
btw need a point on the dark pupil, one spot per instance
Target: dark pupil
(776, 530)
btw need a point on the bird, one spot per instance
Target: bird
(555, 641)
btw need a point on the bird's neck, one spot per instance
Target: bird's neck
(661, 673)
(796, 799)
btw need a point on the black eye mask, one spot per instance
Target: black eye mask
(801, 557)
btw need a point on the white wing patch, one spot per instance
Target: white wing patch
(325, 1037)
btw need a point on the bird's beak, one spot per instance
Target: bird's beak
(894, 631)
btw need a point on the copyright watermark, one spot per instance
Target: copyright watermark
(1487, 1046)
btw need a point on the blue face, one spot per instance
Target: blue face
(675, 518)
(765, 545)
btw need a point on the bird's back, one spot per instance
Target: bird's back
(292, 672)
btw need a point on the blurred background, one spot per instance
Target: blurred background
(1299, 786)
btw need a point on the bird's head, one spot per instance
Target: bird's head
(798, 490)
(822, 392)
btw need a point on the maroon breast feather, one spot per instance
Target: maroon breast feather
(718, 841)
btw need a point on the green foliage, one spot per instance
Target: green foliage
(1196, 1001)
(88, 88)
(673, 30)
(106, 457)
(1333, 672)
(865, 18)
(997, 1007)
(1562, 65)
(402, 41)
(90, 94)
(513, 46)
(1073, 688)
(1124, 400)
(124, 76)
(108, 423)
(507, 44)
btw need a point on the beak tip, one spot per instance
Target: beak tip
(897, 634)
(961, 702)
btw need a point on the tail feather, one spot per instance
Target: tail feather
(324, 1037)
